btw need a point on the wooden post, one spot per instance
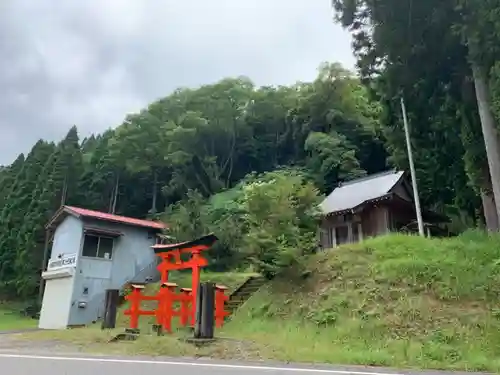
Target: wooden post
(135, 304)
(195, 283)
(111, 305)
(220, 300)
(163, 268)
(208, 311)
(160, 309)
(185, 305)
(197, 308)
(167, 306)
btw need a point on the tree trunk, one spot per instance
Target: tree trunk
(489, 211)
(155, 192)
(64, 191)
(490, 134)
(115, 194)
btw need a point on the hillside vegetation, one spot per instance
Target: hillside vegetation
(398, 301)
(187, 159)
(394, 301)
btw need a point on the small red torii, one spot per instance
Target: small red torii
(171, 255)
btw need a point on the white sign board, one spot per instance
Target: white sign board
(64, 261)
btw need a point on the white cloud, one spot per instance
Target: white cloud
(91, 62)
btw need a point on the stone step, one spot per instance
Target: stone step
(245, 293)
(237, 299)
(240, 298)
(257, 282)
(252, 288)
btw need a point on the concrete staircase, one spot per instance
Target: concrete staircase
(148, 275)
(244, 292)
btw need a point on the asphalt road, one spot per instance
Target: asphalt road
(29, 364)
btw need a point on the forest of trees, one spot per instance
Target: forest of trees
(226, 156)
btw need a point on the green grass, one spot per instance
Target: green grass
(11, 319)
(397, 301)
(401, 301)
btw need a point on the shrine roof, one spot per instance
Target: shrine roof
(207, 241)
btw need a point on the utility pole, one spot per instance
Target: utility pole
(412, 171)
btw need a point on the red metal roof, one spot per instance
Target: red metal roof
(115, 218)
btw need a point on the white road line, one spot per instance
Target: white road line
(195, 364)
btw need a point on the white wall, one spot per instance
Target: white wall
(57, 297)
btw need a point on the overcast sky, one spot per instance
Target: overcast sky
(90, 62)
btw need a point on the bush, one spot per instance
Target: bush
(280, 219)
(267, 222)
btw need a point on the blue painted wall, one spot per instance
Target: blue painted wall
(67, 237)
(132, 257)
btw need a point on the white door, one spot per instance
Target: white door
(56, 303)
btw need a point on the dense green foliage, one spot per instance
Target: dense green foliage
(207, 155)
(267, 221)
(200, 148)
(428, 52)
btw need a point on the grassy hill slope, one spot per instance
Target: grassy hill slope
(395, 301)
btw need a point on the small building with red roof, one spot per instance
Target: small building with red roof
(93, 251)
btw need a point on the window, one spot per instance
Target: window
(90, 246)
(357, 232)
(325, 238)
(342, 234)
(348, 233)
(97, 247)
(105, 248)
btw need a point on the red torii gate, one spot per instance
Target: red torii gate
(171, 255)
